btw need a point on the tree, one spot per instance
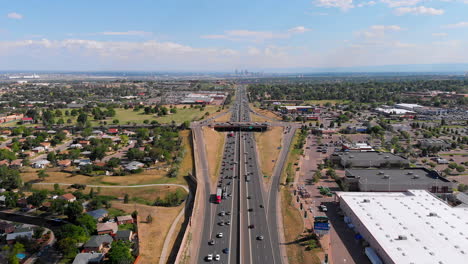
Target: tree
(82, 118)
(10, 178)
(37, 198)
(52, 157)
(13, 251)
(87, 222)
(120, 253)
(149, 219)
(74, 210)
(68, 247)
(113, 162)
(41, 174)
(126, 198)
(57, 206)
(317, 176)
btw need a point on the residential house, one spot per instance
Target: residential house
(97, 243)
(46, 145)
(64, 163)
(134, 165)
(27, 120)
(76, 146)
(107, 228)
(11, 238)
(68, 197)
(40, 164)
(124, 219)
(84, 142)
(2, 200)
(17, 163)
(112, 131)
(98, 214)
(124, 235)
(88, 258)
(4, 162)
(38, 149)
(6, 228)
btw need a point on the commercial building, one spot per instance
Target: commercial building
(368, 159)
(434, 143)
(356, 147)
(407, 227)
(396, 180)
(410, 107)
(293, 109)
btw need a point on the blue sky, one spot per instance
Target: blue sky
(208, 35)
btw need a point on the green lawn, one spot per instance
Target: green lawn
(128, 115)
(187, 114)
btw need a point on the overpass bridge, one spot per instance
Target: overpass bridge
(240, 126)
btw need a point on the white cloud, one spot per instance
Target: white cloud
(256, 36)
(14, 15)
(378, 31)
(370, 3)
(440, 34)
(419, 10)
(457, 25)
(298, 29)
(341, 4)
(399, 3)
(153, 55)
(126, 33)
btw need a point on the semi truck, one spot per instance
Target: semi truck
(219, 193)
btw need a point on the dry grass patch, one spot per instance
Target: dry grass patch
(224, 118)
(293, 225)
(187, 165)
(214, 143)
(152, 176)
(152, 235)
(266, 113)
(268, 145)
(145, 195)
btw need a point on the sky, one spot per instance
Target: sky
(224, 35)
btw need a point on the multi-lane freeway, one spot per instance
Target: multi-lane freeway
(237, 229)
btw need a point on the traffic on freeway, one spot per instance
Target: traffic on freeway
(237, 229)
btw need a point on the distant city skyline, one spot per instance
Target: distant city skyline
(202, 35)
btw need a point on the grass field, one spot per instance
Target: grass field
(223, 118)
(268, 145)
(214, 142)
(187, 114)
(267, 113)
(142, 195)
(152, 176)
(152, 235)
(126, 116)
(293, 229)
(187, 165)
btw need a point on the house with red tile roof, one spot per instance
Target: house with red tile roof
(68, 197)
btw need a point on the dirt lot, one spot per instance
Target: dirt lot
(214, 148)
(152, 235)
(268, 145)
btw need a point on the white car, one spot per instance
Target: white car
(217, 257)
(219, 235)
(209, 257)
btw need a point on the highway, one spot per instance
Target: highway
(238, 228)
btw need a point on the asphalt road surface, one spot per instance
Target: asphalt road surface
(238, 227)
